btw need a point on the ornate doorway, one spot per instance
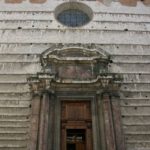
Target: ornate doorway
(75, 103)
(76, 125)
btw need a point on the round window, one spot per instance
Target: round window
(73, 14)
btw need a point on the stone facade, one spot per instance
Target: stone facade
(27, 30)
(124, 2)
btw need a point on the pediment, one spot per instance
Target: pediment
(72, 65)
(75, 53)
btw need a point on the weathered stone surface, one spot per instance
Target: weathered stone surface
(28, 29)
(97, 37)
(115, 7)
(19, 58)
(135, 111)
(13, 78)
(97, 25)
(19, 68)
(49, 17)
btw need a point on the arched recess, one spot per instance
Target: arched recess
(75, 74)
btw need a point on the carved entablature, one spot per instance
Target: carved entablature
(73, 66)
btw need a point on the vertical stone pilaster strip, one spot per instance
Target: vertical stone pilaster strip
(117, 123)
(43, 128)
(45, 143)
(51, 123)
(108, 123)
(35, 112)
(102, 143)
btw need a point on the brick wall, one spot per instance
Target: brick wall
(124, 2)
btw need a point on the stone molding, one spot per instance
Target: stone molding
(74, 66)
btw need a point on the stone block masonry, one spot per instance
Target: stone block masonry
(123, 2)
(28, 28)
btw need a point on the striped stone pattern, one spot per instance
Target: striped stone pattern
(27, 30)
(123, 2)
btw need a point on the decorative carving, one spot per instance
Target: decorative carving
(74, 65)
(76, 54)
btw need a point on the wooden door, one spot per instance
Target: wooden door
(76, 125)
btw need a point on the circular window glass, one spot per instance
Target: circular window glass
(73, 18)
(73, 14)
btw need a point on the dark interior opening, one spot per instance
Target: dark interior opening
(71, 146)
(75, 139)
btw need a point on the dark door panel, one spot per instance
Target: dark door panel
(76, 132)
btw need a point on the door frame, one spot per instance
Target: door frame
(106, 120)
(94, 112)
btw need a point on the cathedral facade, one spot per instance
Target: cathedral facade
(74, 75)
